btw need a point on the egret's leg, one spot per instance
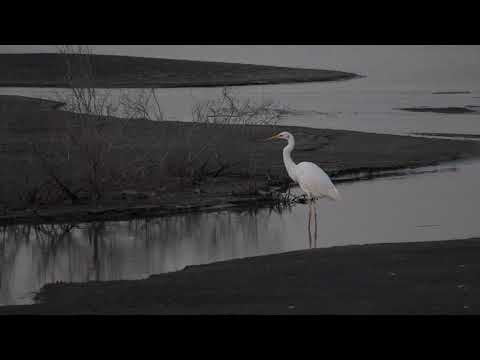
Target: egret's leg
(309, 230)
(310, 241)
(315, 210)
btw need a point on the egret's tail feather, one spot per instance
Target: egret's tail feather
(333, 193)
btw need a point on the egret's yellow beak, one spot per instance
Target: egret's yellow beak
(273, 137)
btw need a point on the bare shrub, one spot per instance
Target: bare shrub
(144, 105)
(231, 110)
(80, 78)
(238, 117)
(86, 159)
(98, 153)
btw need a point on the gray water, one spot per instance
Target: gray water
(435, 203)
(340, 105)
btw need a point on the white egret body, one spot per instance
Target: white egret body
(309, 176)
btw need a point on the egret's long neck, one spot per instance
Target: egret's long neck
(287, 158)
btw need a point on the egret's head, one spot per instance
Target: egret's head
(283, 135)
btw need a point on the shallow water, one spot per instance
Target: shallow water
(347, 105)
(434, 203)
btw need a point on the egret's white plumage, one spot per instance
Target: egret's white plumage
(315, 182)
(310, 177)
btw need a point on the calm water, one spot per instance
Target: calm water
(433, 203)
(341, 105)
(430, 204)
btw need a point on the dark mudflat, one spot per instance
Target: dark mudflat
(451, 135)
(48, 70)
(441, 110)
(451, 92)
(16, 103)
(338, 152)
(408, 278)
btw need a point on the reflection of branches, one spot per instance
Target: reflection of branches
(103, 251)
(51, 237)
(47, 238)
(46, 233)
(54, 231)
(96, 231)
(138, 225)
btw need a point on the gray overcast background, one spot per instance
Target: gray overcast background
(433, 65)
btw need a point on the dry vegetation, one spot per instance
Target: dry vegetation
(109, 153)
(91, 152)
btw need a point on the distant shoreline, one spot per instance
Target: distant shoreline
(451, 92)
(111, 71)
(441, 110)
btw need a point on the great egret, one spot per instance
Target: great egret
(309, 176)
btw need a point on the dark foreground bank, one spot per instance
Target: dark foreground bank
(410, 278)
(110, 71)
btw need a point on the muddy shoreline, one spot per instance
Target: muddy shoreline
(440, 277)
(48, 70)
(339, 152)
(451, 135)
(442, 110)
(184, 202)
